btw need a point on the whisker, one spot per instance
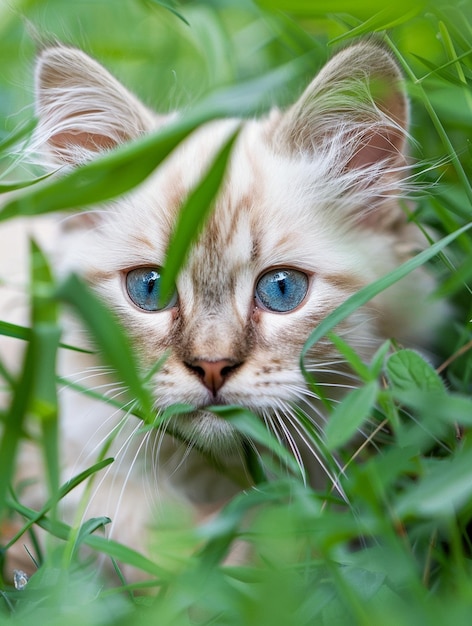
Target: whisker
(292, 445)
(155, 441)
(83, 375)
(316, 369)
(111, 434)
(113, 470)
(305, 436)
(125, 481)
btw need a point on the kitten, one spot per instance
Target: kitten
(309, 213)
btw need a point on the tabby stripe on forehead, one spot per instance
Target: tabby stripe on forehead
(344, 282)
(142, 240)
(97, 276)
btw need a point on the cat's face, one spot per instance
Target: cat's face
(304, 219)
(266, 269)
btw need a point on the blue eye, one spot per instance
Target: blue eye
(143, 287)
(282, 290)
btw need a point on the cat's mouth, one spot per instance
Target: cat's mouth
(205, 428)
(216, 402)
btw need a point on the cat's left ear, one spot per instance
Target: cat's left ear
(356, 108)
(82, 109)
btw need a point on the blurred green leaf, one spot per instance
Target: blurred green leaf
(436, 405)
(13, 421)
(363, 10)
(445, 487)
(45, 336)
(349, 415)
(101, 179)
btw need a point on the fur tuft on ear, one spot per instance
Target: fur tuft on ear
(81, 108)
(353, 118)
(357, 96)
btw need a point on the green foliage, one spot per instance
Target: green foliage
(390, 542)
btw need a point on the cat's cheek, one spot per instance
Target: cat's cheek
(283, 332)
(150, 333)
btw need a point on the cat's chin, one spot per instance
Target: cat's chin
(207, 432)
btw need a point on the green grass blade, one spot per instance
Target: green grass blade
(171, 6)
(14, 186)
(192, 217)
(13, 330)
(108, 336)
(100, 544)
(351, 357)
(24, 130)
(62, 492)
(366, 294)
(463, 177)
(35, 390)
(386, 18)
(13, 424)
(119, 171)
(24, 333)
(101, 179)
(45, 335)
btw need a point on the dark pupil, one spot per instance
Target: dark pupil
(281, 280)
(150, 284)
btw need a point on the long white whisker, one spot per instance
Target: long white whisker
(292, 445)
(113, 469)
(109, 435)
(156, 439)
(125, 481)
(294, 422)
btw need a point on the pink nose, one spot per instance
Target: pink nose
(213, 374)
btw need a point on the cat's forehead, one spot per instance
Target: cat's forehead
(259, 212)
(267, 212)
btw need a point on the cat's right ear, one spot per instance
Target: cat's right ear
(82, 109)
(356, 104)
